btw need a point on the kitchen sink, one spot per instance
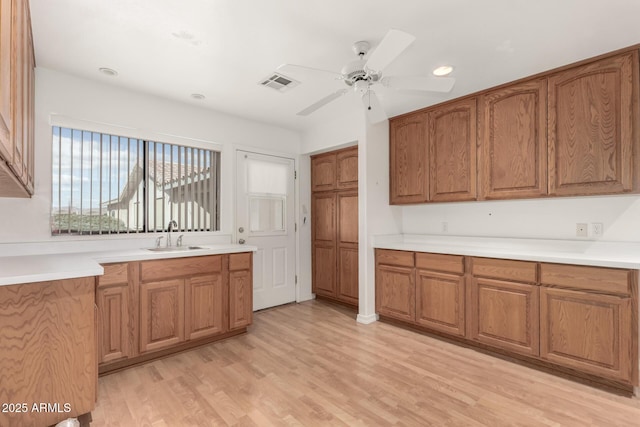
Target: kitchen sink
(175, 248)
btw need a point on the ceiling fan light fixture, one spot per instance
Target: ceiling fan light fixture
(443, 70)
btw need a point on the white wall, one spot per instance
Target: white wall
(536, 218)
(131, 114)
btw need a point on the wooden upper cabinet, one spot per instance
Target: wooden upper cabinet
(6, 87)
(347, 168)
(593, 110)
(408, 152)
(323, 172)
(512, 155)
(452, 151)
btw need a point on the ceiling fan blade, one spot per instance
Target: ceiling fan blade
(391, 46)
(424, 83)
(373, 109)
(297, 69)
(324, 101)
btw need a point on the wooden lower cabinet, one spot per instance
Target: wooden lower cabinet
(588, 332)
(161, 314)
(152, 308)
(348, 274)
(324, 269)
(440, 301)
(204, 299)
(505, 314)
(395, 292)
(582, 320)
(113, 323)
(240, 291)
(48, 349)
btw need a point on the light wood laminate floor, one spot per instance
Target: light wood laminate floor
(311, 364)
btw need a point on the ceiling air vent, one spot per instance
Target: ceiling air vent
(279, 82)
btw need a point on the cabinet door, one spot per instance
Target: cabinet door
(161, 314)
(323, 172)
(240, 299)
(113, 324)
(205, 306)
(592, 115)
(440, 301)
(588, 332)
(6, 93)
(408, 151)
(323, 218)
(505, 314)
(347, 243)
(452, 152)
(347, 169)
(512, 158)
(395, 292)
(19, 117)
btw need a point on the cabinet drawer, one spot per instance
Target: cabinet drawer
(520, 271)
(179, 267)
(439, 262)
(601, 279)
(114, 274)
(240, 261)
(402, 258)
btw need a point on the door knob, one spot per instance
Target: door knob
(241, 241)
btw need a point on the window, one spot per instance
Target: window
(108, 184)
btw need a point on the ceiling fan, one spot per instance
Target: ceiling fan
(362, 74)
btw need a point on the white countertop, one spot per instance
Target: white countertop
(580, 252)
(40, 268)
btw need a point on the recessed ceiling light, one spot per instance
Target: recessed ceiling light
(443, 70)
(197, 96)
(108, 71)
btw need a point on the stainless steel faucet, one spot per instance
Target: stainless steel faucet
(172, 226)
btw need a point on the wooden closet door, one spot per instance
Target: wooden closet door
(593, 111)
(452, 152)
(347, 247)
(347, 169)
(324, 231)
(323, 172)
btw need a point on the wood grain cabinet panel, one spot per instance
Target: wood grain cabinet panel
(161, 314)
(593, 110)
(452, 151)
(334, 218)
(409, 163)
(113, 323)
(205, 306)
(395, 292)
(323, 172)
(587, 332)
(48, 348)
(512, 155)
(240, 299)
(440, 301)
(347, 168)
(505, 315)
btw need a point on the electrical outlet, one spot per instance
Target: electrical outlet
(581, 229)
(445, 227)
(597, 229)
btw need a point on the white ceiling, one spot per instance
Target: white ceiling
(222, 48)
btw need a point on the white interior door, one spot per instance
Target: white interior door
(265, 218)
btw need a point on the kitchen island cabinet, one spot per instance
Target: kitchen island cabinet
(48, 350)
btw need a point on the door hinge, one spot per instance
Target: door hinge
(295, 174)
(295, 227)
(296, 279)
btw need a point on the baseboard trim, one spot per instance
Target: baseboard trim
(367, 319)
